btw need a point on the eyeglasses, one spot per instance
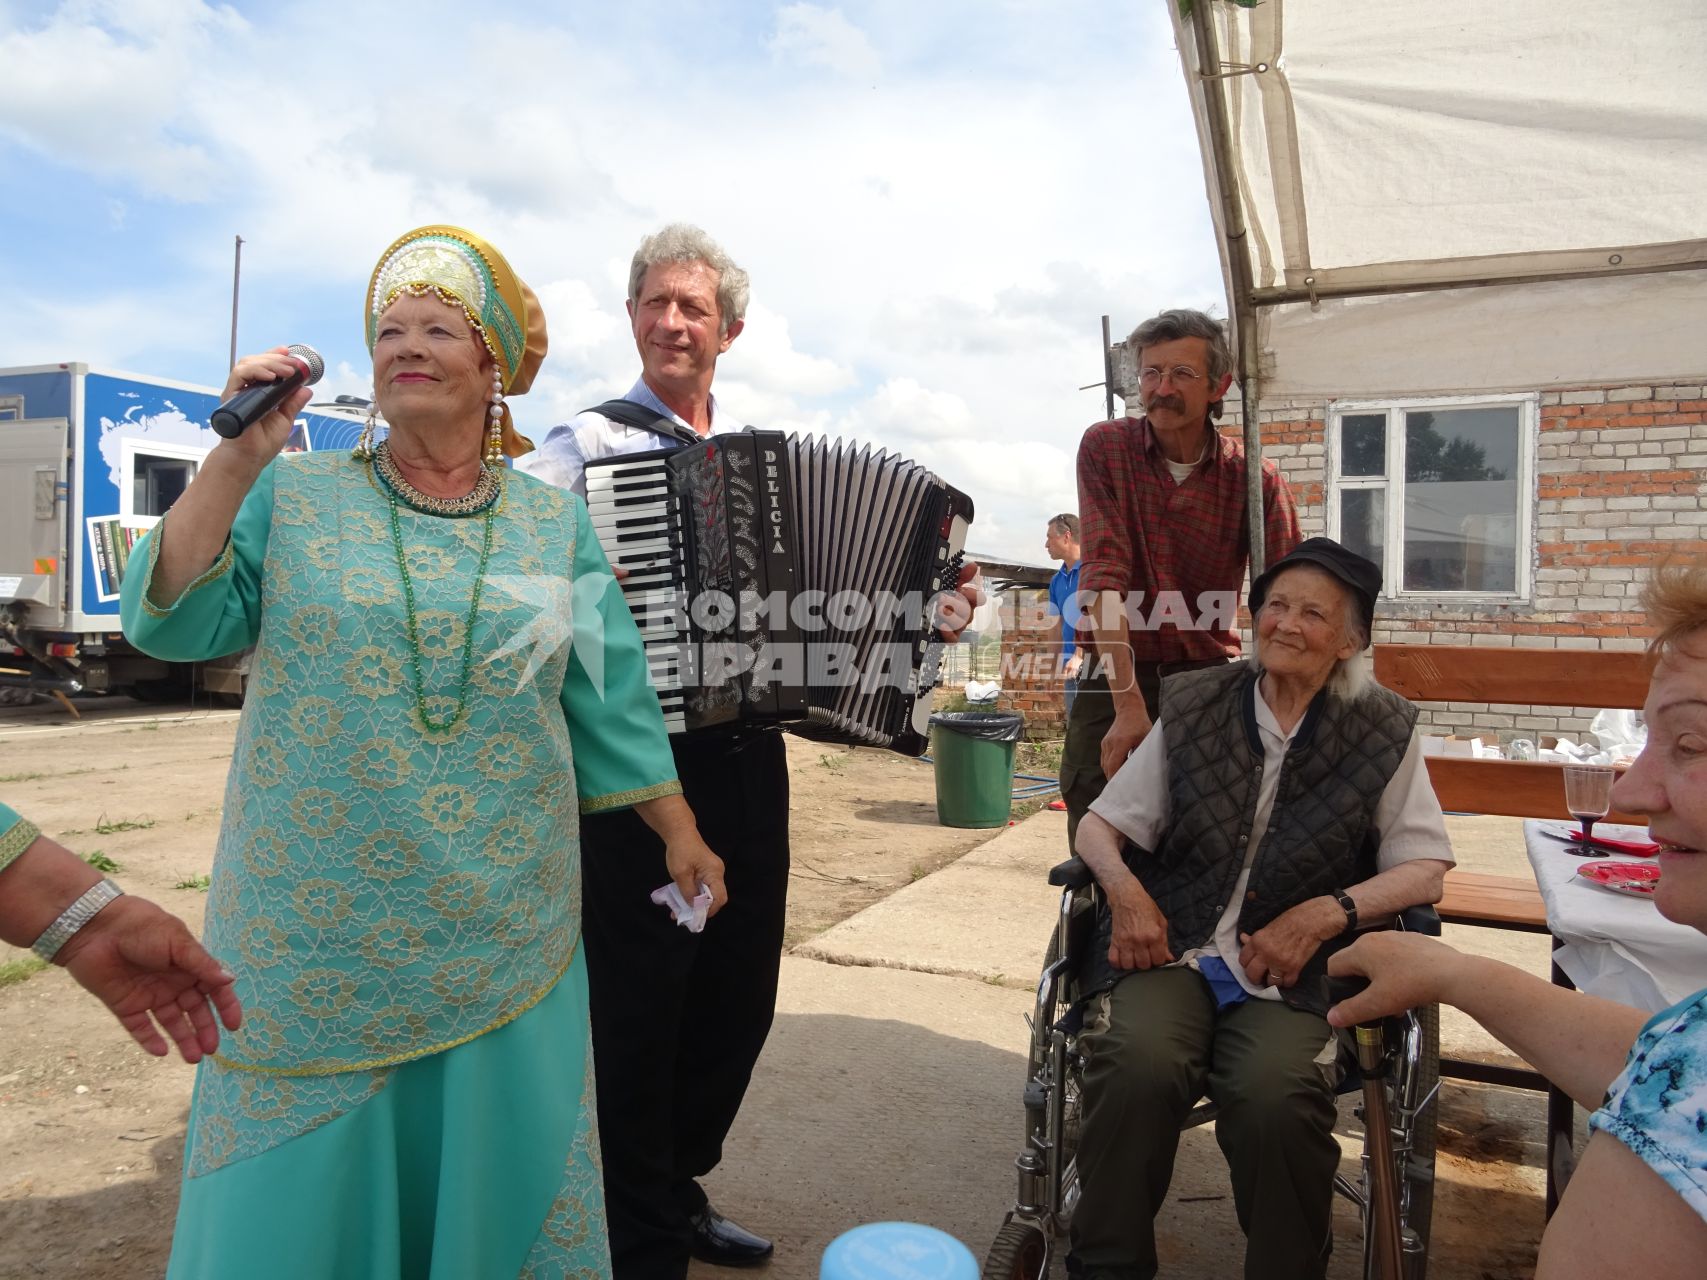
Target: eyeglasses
(1181, 375)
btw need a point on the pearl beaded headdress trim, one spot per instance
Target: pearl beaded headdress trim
(454, 265)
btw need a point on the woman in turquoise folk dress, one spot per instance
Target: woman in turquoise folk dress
(445, 676)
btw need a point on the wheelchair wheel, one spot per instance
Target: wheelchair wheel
(1418, 1184)
(1019, 1253)
(1072, 1105)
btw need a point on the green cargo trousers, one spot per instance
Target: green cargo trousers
(1155, 1045)
(1089, 718)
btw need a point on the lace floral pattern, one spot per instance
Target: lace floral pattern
(376, 888)
(243, 1113)
(572, 1243)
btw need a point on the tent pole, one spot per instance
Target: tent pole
(1234, 234)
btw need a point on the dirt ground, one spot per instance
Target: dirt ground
(91, 1128)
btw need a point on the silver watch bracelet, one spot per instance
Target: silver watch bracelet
(74, 917)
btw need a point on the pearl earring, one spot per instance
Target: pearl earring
(364, 445)
(495, 436)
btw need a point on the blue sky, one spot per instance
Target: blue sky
(936, 201)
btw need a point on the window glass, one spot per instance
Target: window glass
(159, 482)
(1363, 524)
(1460, 512)
(1363, 444)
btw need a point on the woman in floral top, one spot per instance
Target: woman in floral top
(1637, 1204)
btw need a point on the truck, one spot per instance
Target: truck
(89, 460)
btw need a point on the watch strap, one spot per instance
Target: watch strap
(1350, 909)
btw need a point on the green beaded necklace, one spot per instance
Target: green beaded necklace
(414, 632)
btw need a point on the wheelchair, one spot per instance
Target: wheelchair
(1035, 1230)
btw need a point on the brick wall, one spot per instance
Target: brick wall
(1030, 683)
(1621, 473)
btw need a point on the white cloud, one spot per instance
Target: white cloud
(769, 359)
(575, 322)
(815, 37)
(108, 86)
(929, 259)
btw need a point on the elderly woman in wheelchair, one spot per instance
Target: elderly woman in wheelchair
(1275, 807)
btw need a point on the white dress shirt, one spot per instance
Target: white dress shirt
(561, 458)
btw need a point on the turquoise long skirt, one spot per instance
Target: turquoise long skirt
(479, 1162)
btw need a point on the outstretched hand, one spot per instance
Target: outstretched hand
(144, 965)
(1405, 971)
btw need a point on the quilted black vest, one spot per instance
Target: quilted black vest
(1320, 836)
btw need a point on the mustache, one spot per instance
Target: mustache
(1166, 402)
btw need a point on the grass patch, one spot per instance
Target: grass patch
(1040, 757)
(98, 860)
(56, 774)
(197, 883)
(16, 971)
(835, 764)
(105, 828)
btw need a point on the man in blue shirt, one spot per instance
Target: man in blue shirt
(1062, 543)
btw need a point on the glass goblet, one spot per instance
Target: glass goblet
(1588, 795)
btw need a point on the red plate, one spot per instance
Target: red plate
(1638, 878)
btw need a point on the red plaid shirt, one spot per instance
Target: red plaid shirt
(1142, 532)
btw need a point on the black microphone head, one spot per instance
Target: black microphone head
(310, 357)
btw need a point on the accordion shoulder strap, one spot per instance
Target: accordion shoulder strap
(631, 414)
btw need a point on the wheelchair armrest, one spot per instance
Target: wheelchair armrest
(1072, 874)
(1422, 919)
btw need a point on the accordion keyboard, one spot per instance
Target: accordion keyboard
(638, 522)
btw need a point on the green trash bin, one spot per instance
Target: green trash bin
(973, 752)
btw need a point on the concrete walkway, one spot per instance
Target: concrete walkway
(890, 1089)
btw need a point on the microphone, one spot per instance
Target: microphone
(256, 401)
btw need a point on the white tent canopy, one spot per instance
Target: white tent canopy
(1456, 195)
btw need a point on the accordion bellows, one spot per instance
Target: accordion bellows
(785, 580)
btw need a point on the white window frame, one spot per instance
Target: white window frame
(1528, 408)
(129, 448)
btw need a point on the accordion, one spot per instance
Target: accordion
(788, 581)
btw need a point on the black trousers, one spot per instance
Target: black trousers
(679, 1019)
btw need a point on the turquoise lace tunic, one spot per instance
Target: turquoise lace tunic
(384, 892)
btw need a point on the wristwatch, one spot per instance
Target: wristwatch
(1350, 909)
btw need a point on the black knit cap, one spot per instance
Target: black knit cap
(1362, 576)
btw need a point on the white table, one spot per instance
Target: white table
(1613, 945)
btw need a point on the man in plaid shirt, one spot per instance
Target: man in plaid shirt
(1164, 542)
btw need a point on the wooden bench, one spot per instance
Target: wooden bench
(1510, 788)
(1500, 902)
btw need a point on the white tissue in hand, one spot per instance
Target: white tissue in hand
(691, 916)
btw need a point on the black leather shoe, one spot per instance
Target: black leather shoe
(724, 1243)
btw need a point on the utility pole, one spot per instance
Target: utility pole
(1107, 383)
(236, 277)
(1107, 374)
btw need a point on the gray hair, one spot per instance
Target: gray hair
(683, 242)
(1179, 323)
